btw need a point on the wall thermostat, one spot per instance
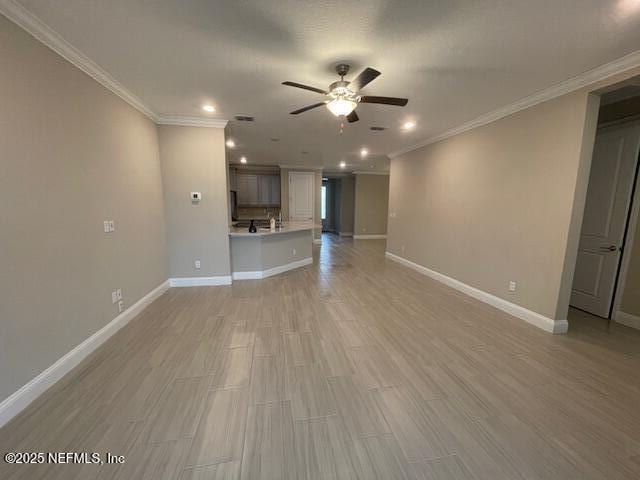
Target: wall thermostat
(196, 197)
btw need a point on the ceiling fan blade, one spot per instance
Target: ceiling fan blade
(399, 102)
(305, 87)
(366, 76)
(308, 107)
(353, 117)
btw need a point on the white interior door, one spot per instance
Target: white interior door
(301, 196)
(605, 217)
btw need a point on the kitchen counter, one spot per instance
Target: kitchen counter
(288, 227)
(270, 252)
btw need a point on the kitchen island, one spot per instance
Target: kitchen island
(269, 252)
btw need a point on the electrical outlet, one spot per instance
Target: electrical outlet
(512, 286)
(106, 226)
(364, 229)
(114, 297)
(294, 251)
(112, 226)
(392, 215)
(197, 264)
(402, 248)
(120, 306)
(119, 294)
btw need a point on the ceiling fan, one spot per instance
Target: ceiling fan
(343, 95)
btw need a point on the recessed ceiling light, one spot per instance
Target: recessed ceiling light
(243, 159)
(409, 125)
(343, 164)
(230, 143)
(209, 108)
(364, 152)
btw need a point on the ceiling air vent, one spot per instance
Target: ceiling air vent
(244, 118)
(378, 129)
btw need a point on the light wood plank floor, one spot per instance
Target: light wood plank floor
(354, 367)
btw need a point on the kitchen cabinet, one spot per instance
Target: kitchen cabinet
(257, 190)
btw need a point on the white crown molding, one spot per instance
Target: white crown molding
(191, 121)
(366, 172)
(21, 399)
(300, 167)
(45, 34)
(622, 64)
(52, 39)
(529, 316)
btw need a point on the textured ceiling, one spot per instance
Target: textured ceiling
(455, 60)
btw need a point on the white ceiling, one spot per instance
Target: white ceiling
(455, 60)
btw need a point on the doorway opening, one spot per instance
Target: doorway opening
(607, 272)
(336, 204)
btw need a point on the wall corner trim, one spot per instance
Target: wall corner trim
(42, 32)
(23, 397)
(620, 65)
(52, 39)
(367, 172)
(200, 281)
(299, 167)
(191, 121)
(369, 237)
(529, 316)
(627, 319)
(272, 271)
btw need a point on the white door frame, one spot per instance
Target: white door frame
(632, 222)
(313, 192)
(628, 241)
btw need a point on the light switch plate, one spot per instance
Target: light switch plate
(119, 294)
(197, 264)
(120, 306)
(512, 286)
(106, 226)
(112, 226)
(114, 297)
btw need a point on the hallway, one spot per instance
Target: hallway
(353, 367)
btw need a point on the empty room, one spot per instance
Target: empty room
(319, 240)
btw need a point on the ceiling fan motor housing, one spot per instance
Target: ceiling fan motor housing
(342, 69)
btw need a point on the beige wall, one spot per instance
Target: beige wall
(193, 160)
(631, 295)
(371, 204)
(72, 155)
(347, 192)
(284, 196)
(496, 203)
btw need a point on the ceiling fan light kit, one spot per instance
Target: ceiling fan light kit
(342, 106)
(343, 95)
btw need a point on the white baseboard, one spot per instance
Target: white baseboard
(200, 281)
(346, 234)
(21, 399)
(534, 318)
(272, 271)
(628, 319)
(317, 241)
(369, 237)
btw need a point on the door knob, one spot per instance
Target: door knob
(610, 248)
